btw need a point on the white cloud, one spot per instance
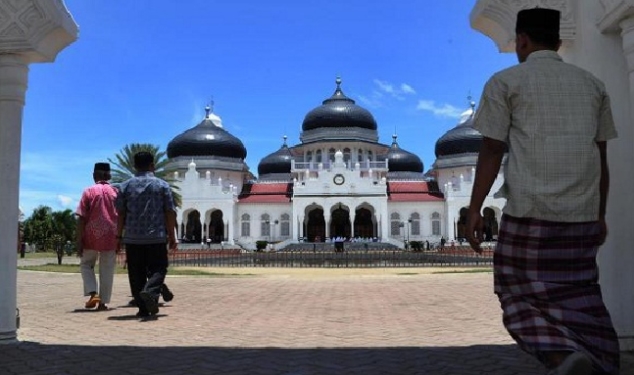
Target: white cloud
(444, 110)
(393, 90)
(407, 89)
(65, 201)
(371, 102)
(385, 86)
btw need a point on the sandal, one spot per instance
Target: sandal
(93, 301)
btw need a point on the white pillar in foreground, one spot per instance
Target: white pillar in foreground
(32, 31)
(13, 80)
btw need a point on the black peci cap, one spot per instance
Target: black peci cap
(541, 20)
(104, 167)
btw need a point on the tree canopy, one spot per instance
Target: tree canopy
(46, 228)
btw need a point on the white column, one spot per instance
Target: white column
(13, 82)
(230, 225)
(352, 216)
(38, 41)
(616, 259)
(300, 226)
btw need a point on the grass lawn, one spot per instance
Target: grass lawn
(471, 270)
(42, 254)
(74, 268)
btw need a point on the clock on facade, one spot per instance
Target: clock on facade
(338, 179)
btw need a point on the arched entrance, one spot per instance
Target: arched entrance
(193, 228)
(316, 226)
(490, 224)
(363, 223)
(340, 223)
(462, 223)
(216, 228)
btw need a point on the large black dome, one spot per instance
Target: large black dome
(206, 139)
(400, 160)
(277, 162)
(339, 111)
(460, 140)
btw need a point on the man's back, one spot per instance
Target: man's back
(97, 208)
(145, 200)
(551, 114)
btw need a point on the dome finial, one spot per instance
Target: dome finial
(471, 102)
(284, 137)
(338, 94)
(207, 111)
(394, 136)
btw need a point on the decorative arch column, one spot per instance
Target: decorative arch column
(496, 19)
(30, 31)
(602, 42)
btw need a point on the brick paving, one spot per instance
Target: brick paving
(273, 322)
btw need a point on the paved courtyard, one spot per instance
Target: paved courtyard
(277, 322)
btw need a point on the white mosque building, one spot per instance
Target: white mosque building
(339, 182)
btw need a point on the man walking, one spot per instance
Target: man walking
(555, 119)
(146, 225)
(96, 237)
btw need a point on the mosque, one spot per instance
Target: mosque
(347, 191)
(338, 182)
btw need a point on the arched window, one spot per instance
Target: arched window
(331, 155)
(245, 225)
(318, 156)
(370, 156)
(285, 228)
(395, 224)
(346, 155)
(360, 155)
(435, 224)
(265, 225)
(414, 225)
(309, 156)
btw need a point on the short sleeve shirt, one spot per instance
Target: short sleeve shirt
(145, 199)
(550, 114)
(97, 208)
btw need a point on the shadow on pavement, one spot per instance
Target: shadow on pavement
(28, 358)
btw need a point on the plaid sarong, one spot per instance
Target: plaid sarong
(546, 277)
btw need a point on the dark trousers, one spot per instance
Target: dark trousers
(147, 267)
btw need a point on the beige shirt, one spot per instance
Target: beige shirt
(551, 114)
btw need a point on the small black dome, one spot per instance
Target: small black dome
(277, 162)
(339, 111)
(400, 160)
(206, 139)
(460, 140)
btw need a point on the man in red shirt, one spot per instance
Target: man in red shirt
(97, 237)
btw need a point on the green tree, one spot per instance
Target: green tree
(64, 224)
(38, 228)
(124, 166)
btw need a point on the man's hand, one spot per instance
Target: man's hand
(475, 230)
(118, 246)
(603, 231)
(171, 243)
(80, 249)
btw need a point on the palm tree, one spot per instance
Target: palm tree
(124, 166)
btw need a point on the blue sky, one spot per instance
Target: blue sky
(143, 71)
